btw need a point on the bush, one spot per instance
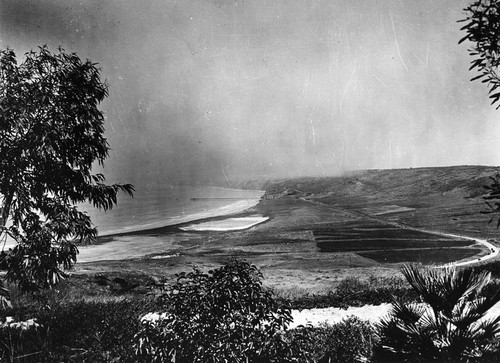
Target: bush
(223, 316)
(95, 331)
(353, 291)
(351, 340)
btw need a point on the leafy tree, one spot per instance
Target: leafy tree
(51, 132)
(482, 27)
(223, 316)
(483, 30)
(449, 324)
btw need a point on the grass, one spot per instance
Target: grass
(351, 291)
(84, 328)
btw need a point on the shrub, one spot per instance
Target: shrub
(353, 291)
(351, 340)
(96, 331)
(223, 316)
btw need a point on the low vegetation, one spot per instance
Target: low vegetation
(176, 321)
(228, 315)
(353, 291)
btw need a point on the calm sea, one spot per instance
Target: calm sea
(168, 205)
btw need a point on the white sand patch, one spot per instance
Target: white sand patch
(228, 224)
(315, 317)
(371, 313)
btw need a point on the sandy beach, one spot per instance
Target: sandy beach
(229, 224)
(124, 244)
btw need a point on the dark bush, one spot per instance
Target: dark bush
(223, 316)
(353, 291)
(491, 266)
(351, 340)
(74, 331)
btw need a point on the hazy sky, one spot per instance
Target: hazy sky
(201, 91)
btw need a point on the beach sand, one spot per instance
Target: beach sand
(229, 224)
(163, 238)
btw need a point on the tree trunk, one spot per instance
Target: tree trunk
(5, 209)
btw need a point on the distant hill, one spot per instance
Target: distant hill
(466, 181)
(448, 199)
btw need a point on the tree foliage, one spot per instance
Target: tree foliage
(449, 324)
(493, 197)
(482, 27)
(223, 316)
(51, 133)
(483, 31)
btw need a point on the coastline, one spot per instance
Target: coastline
(166, 237)
(235, 208)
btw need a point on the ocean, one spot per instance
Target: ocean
(168, 205)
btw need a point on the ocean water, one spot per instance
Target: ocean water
(168, 205)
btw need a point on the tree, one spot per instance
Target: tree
(51, 133)
(449, 324)
(223, 316)
(483, 31)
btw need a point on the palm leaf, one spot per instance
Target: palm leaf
(426, 283)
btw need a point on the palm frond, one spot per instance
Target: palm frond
(426, 283)
(409, 313)
(486, 329)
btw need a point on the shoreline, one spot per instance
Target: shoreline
(242, 206)
(158, 238)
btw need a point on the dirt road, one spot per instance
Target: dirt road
(493, 251)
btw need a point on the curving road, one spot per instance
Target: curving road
(493, 250)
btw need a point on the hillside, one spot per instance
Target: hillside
(448, 199)
(388, 184)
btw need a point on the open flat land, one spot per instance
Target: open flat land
(321, 230)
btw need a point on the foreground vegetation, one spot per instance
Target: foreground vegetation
(177, 321)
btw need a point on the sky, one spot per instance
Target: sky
(205, 92)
